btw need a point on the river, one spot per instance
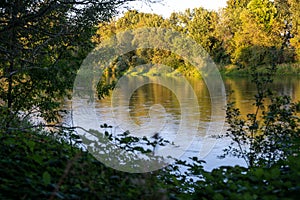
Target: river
(174, 114)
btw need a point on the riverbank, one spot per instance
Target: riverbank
(287, 69)
(163, 70)
(290, 69)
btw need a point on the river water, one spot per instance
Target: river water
(176, 116)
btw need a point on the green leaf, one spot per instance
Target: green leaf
(46, 178)
(260, 172)
(31, 145)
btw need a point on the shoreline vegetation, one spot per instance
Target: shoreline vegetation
(186, 69)
(292, 69)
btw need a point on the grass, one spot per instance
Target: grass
(285, 69)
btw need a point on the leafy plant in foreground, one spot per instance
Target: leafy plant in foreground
(267, 135)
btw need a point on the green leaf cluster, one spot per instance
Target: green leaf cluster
(35, 165)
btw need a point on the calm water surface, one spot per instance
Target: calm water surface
(155, 108)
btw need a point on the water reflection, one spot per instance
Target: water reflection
(244, 90)
(151, 94)
(156, 102)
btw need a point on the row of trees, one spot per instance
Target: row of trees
(244, 33)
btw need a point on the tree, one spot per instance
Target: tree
(133, 20)
(42, 43)
(259, 40)
(268, 135)
(230, 23)
(202, 27)
(295, 18)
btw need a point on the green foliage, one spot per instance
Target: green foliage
(258, 40)
(245, 33)
(199, 24)
(264, 11)
(42, 46)
(265, 136)
(256, 32)
(35, 165)
(285, 69)
(256, 56)
(277, 182)
(104, 89)
(295, 21)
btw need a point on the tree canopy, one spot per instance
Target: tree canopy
(245, 33)
(42, 43)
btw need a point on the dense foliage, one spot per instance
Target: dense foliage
(244, 33)
(42, 44)
(267, 135)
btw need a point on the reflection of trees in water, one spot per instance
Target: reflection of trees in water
(288, 86)
(244, 90)
(148, 95)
